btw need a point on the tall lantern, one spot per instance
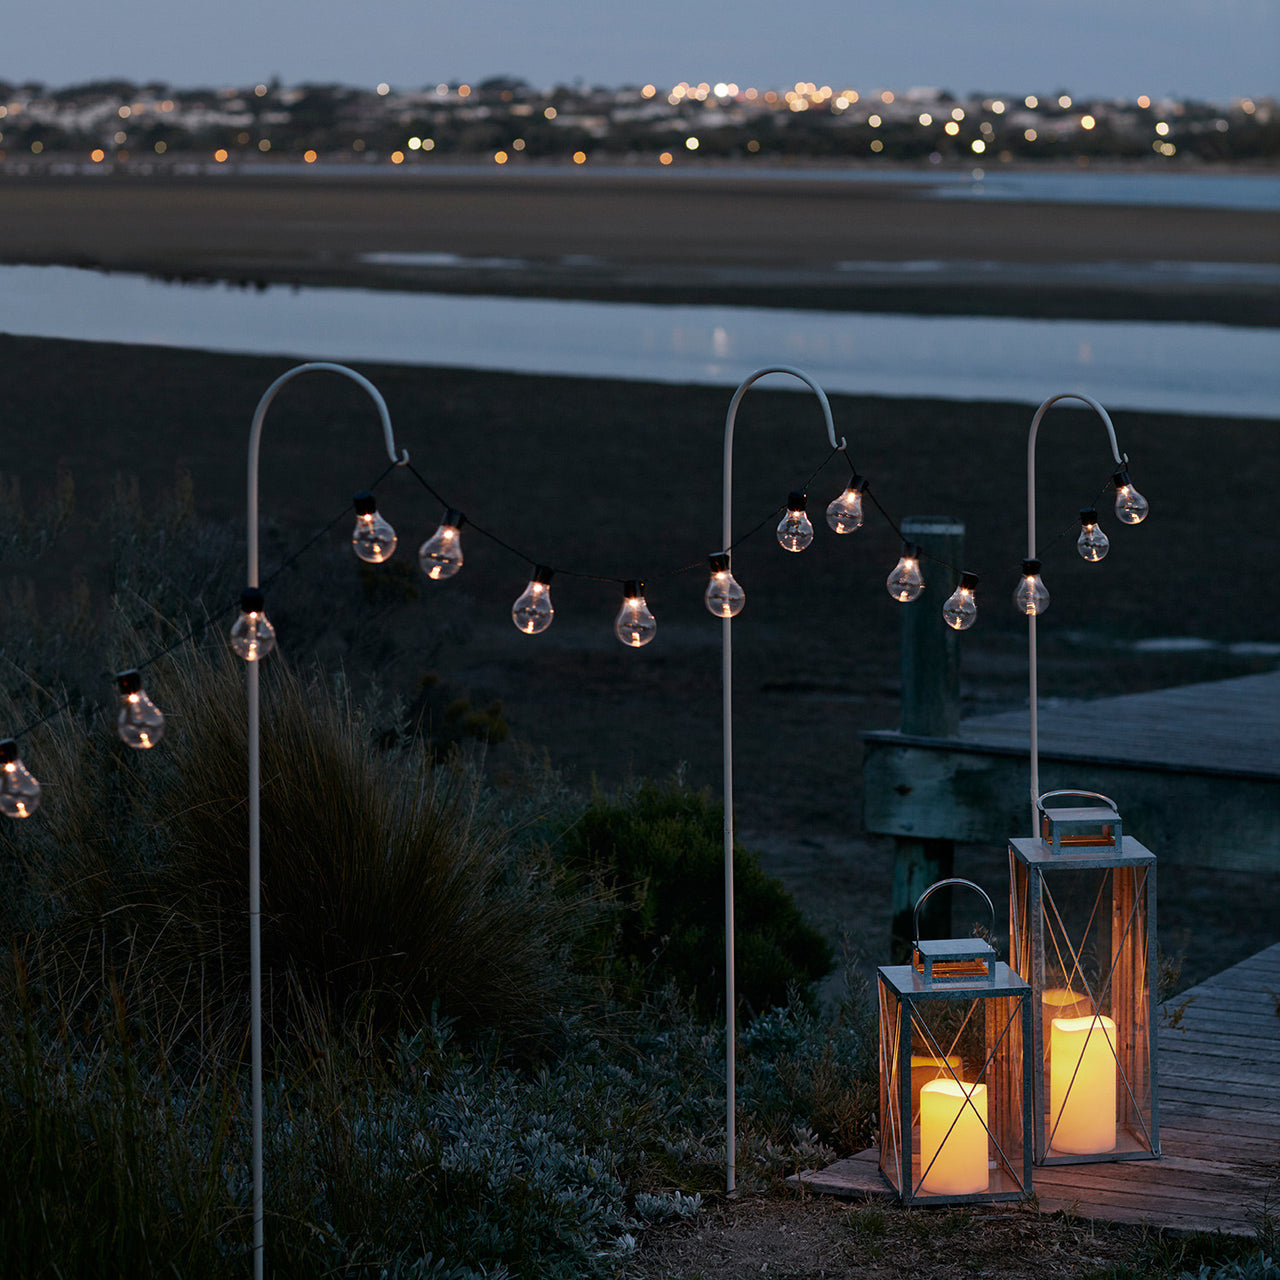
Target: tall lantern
(1082, 928)
(955, 1079)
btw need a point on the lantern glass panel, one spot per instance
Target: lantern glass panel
(954, 1086)
(1082, 935)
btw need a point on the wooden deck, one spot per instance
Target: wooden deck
(1219, 1168)
(1195, 771)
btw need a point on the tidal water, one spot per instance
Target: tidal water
(1175, 368)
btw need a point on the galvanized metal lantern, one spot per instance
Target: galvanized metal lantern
(1082, 913)
(955, 1076)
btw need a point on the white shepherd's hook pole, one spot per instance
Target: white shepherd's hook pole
(1121, 461)
(726, 668)
(251, 689)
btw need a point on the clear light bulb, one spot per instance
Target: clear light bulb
(373, 538)
(532, 612)
(440, 556)
(1131, 506)
(795, 531)
(1092, 543)
(1031, 596)
(140, 723)
(19, 791)
(906, 582)
(252, 635)
(844, 513)
(961, 609)
(635, 626)
(723, 597)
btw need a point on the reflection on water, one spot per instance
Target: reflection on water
(1166, 367)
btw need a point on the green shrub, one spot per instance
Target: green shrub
(660, 849)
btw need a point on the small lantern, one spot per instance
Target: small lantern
(1082, 933)
(955, 1082)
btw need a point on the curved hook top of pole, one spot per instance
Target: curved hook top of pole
(1121, 459)
(255, 438)
(731, 418)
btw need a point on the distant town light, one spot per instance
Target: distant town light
(754, 145)
(37, 147)
(120, 138)
(874, 121)
(1247, 106)
(1162, 129)
(464, 91)
(877, 145)
(428, 144)
(579, 157)
(124, 112)
(691, 143)
(161, 148)
(665, 157)
(1143, 101)
(957, 113)
(383, 90)
(951, 128)
(500, 157)
(978, 146)
(550, 113)
(397, 157)
(220, 155)
(1087, 122)
(1065, 101)
(414, 143)
(722, 89)
(260, 90)
(1030, 135)
(309, 157)
(517, 144)
(751, 94)
(97, 155)
(441, 90)
(997, 107)
(886, 97)
(357, 145)
(1031, 101)
(648, 91)
(925, 118)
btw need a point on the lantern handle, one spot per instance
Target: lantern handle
(941, 884)
(1080, 795)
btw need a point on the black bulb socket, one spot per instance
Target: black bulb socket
(454, 517)
(1030, 568)
(365, 503)
(8, 751)
(719, 562)
(1088, 516)
(129, 682)
(968, 581)
(542, 574)
(1120, 479)
(633, 589)
(796, 501)
(252, 600)
(856, 482)
(911, 550)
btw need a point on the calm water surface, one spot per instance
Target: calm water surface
(1178, 368)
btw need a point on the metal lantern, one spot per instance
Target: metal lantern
(1082, 913)
(955, 1077)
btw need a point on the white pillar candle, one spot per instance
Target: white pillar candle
(1059, 1002)
(926, 1067)
(1082, 1085)
(953, 1138)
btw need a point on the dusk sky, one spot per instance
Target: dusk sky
(1211, 49)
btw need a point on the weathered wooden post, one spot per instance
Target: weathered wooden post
(930, 709)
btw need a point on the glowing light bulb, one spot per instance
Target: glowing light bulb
(1131, 506)
(795, 531)
(961, 610)
(1031, 596)
(140, 723)
(252, 635)
(635, 626)
(1092, 543)
(440, 556)
(373, 538)
(906, 582)
(19, 791)
(532, 612)
(844, 513)
(723, 597)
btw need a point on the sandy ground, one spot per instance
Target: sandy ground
(803, 242)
